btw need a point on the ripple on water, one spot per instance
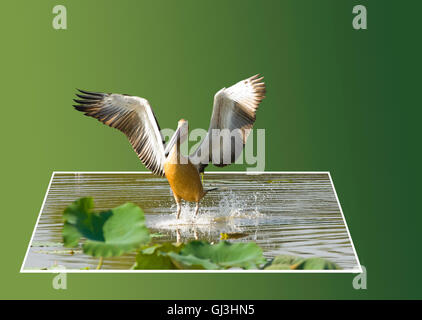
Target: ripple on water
(284, 213)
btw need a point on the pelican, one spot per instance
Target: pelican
(234, 110)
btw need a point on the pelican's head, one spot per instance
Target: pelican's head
(182, 122)
(183, 129)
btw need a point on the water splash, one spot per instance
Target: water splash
(230, 213)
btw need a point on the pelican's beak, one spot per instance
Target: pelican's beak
(172, 142)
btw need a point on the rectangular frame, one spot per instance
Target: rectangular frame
(354, 271)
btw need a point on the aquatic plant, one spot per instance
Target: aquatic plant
(200, 255)
(109, 233)
(156, 256)
(288, 262)
(120, 230)
(223, 255)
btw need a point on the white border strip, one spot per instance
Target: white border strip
(38, 220)
(345, 223)
(357, 270)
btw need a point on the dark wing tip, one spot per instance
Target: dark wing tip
(79, 107)
(83, 96)
(91, 93)
(87, 99)
(83, 101)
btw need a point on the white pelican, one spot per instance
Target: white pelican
(234, 110)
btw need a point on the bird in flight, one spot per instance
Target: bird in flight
(234, 111)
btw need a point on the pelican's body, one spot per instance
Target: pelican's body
(184, 181)
(183, 178)
(234, 110)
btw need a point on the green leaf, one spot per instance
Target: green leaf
(282, 262)
(192, 262)
(315, 264)
(109, 233)
(203, 255)
(156, 257)
(288, 262)
(157, 235)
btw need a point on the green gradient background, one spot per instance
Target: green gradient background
(338, 99)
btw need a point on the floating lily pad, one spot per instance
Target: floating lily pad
(156, 257)
(67, 252)
(232, 235)
(109, 233)
(315, 264)
(288, 262)
(282, 262)
(40, 244)
(224, 255)
(157, 235)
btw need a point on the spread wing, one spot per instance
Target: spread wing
(234, 111)
(134, 117)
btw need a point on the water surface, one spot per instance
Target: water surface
(285, 213)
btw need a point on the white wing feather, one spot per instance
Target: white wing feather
(134, 117)
(234, 109)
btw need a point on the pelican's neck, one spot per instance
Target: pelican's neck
(174, 155)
